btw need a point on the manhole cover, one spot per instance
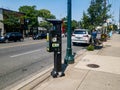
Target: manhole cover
(93, 65)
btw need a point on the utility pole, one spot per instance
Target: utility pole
(105, 18)
(119, 19)
(69, 58)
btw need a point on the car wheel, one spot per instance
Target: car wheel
(15, 40)
(6, 41)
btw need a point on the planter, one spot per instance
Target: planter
(104, 37)
(90, 48)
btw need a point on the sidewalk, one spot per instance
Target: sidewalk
(93, 70)
(81, 77)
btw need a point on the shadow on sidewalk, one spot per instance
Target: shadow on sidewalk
(98, 47)
(64, 67)
(59, 72)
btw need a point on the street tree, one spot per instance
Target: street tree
(30, 15)
(85, 23)
(97, 14)
(46, 25)
(74, 24)
(45, 14)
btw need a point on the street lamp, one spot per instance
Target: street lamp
(69, 58)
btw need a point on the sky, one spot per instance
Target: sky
(59, 7)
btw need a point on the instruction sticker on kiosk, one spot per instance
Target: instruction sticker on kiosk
(54, 39)
(55, 45)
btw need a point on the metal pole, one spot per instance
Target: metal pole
(69, 58)
(119, 18)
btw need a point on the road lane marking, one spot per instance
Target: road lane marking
(25, 53)
(21, 44)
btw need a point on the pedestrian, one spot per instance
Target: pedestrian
(94, 35)
(110, 34)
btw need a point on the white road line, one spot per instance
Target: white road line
(24, 53)
(20, 44)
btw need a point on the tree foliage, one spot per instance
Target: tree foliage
(31, 15)
(74, 24)
(45, 14)
(96, 15)
(45, 24)
(85, 21)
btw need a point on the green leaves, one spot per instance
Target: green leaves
(11, 20)
(45, 14)
(96, 14)
(90, 48)
(31, 14)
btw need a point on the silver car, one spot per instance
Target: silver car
(81, 36)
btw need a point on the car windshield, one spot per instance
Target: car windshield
(79, 32)
(7, 34)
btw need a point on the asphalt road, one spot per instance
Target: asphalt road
(21, 59)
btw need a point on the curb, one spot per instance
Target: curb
(31, 82)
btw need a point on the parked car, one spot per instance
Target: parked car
(12, 36)
(2, 39)
(118, 31)
(81, 36)
(39, 36)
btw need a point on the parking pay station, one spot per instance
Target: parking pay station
(54, 44)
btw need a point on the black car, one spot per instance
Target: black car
(119, 31)
(12, 36)
(2, 39)
(39, 36)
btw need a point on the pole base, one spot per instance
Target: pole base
(57, 74)
(69, 59)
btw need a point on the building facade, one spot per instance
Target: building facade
(1, 24)
(15, 19)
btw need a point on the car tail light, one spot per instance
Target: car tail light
(85, 36)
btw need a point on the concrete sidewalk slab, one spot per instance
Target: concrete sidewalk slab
(81, 77)
(100, 81)
(111, 51)
(106, 63)
(71, 81)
